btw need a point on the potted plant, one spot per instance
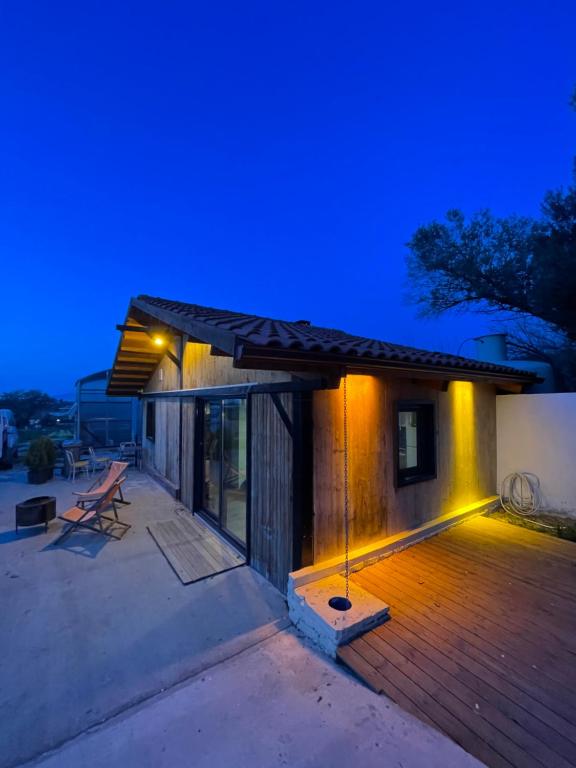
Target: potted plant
(40, 460)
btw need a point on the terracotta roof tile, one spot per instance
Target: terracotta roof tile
(298, 336)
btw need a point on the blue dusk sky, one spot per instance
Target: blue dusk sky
(267, 157)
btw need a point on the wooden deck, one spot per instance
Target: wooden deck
(481, 643)
(193, 549)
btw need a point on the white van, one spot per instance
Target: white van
(8, 438)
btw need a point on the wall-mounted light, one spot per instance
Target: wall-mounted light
(158, 341)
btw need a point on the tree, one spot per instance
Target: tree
(514, 264)
(520, 266)
(28, 404)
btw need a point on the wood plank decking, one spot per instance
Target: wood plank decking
(481, 643)
(193, 549)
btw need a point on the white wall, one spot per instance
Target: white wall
(537, 433)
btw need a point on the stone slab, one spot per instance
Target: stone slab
(329, 628)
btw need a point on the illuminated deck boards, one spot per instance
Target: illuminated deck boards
(482, 641)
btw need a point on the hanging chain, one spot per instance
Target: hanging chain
(346, 503)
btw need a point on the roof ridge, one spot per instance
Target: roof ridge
(266, 332)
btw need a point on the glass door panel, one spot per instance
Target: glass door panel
(233, 506)
(223, 435)
(212, 458)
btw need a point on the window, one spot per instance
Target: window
(221, 468)
(150, 420)
(416, 443)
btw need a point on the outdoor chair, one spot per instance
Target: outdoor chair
(128, 451)
(113, 475)
(92, 517)
(76, 465)
(98, 462)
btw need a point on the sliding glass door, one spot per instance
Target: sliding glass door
(222, 449)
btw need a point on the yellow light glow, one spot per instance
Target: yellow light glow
(464, 479)
(367, 457)
(159, 341)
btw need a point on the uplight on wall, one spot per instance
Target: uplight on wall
(158, 341)
(464, 449)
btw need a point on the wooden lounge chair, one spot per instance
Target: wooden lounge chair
(92, 516)
(113, 475)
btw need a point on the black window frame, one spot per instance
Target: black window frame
(198, 469)
(426, 443)
(151, 420)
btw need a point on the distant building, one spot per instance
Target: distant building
(493, 348)
(103, 421)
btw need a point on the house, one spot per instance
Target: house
(103, 421)
(244, 422)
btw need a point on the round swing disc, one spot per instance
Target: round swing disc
(340, 603)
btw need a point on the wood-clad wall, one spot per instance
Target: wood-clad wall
(187, 472)
(466, 458)
(271, 452)
(161, 455)
(271, 491)
(367, 464)
(200, 369)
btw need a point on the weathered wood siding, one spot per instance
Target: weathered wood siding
(367, 464)
(465, 455)
(187, 471)
(271, 452)
(200, 369)
(161, 455)
(271, 491)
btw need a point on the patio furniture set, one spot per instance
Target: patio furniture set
(75, 465)
(89, 509)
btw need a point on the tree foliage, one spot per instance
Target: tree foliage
(513, 264)
(28, 404)
(524, 267)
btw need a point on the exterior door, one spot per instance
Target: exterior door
(223, 465)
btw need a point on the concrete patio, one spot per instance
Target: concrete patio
(279, 703)
(106, 659)
(94, 625)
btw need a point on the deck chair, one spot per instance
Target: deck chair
(93, 517)
(112, 476)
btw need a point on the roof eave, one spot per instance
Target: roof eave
(259, 357)
(203, 332)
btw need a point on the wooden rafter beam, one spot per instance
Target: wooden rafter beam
(128, 379)
(137, 348)
(134, 358)
(148, 329)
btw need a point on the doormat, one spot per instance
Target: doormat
(193, 550)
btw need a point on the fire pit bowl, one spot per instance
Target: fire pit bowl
(37, 511)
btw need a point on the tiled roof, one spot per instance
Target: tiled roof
(299, 338)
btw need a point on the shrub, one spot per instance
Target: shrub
(42, 453)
